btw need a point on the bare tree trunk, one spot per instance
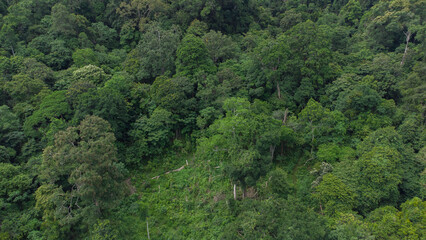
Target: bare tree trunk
(408, 35)
(278, 90)
(13, 51)
(272, 150)
(147, 228)
(235, 191)
(285, 116)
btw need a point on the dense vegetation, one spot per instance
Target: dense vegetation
(212, 119)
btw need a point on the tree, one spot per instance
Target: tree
(351, 12)
(53, 106)
(212, 90)
(176, 95)
(151, 135)
(320, 125)
(374, 178)
(14, 184)
(389, 223)
(276, 219)
(59, 55)
(83, 57)
(310, 64)
(15, 198)
(272, 55)
(106, 103)
(37, 70)
(412, 132)
(391, 23)
(192, 57)
(350, 226)
(279, 183)
(63, 23)
(91, 74)
(228, 16)
(139, 12)
(11, 135)
(8, 38)
(81, 176)
(15, 25)
(155, 54)
(22, 88)
(361, 99)
(103, 35)
(220, 47)
(413, 87)
(244, 140)
(383, 74)
(334, 194)
(410, 166)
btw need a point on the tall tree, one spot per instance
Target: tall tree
(155, 54)
(244, 140)
(193, 57)
(82, 178)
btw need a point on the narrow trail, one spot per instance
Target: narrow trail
(175, 170)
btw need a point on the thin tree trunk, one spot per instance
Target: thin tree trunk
(278, 90)
(235, 191)
(272, 150)
(285, 116)
(147, 228)
(408, 35)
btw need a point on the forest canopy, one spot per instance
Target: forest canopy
(212, 119)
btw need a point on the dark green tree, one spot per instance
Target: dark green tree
(82, 179)
(155, 54)
(193, 57)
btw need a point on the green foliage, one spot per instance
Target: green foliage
(176, 95)
(331, 153)
(320, 125)
(81, 177)
(361, 99)
(389, 223)
(375, 178)
(11, 135)
(220, 47)
(104, 35)
(280, 183)
(227, 119)
(245, 141)
(83, 57)
(14, 184)
(60, 56)
(350, 226)
(155, 53)
(106, 103)
(413, 87)
(22, 87)
(151, 135)
(276, 219)
(53, 106)
(388, 20)
(192, 57)
(351, 12)
(92, 74)
(334, 195)
(102, 230)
